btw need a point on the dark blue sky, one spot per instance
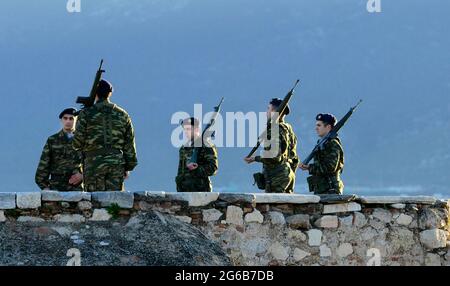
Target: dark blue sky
(164, 56)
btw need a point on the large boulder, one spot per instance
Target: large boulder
(146, 239)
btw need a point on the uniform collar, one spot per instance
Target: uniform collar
(63, 134)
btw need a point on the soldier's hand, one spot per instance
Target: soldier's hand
(76, 179)
(303, 167)
(249, 160)
(127, 174)
(192, 166)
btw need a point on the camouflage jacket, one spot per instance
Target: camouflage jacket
(287, 151)
(103, 128)
(59, 160)
(198, 179)
(329, 161)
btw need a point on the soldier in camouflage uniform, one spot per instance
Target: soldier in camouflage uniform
(105, 135)
(328, 163)
(194, 177)
(279, 169)
(60, 165)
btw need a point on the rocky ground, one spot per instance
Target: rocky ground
(147, 239)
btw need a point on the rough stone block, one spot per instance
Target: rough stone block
(197, 199)
(398, 206)
(100, 215)
(155, 196)
(340, 208)
(382, 214)
(234, 215)
(404, 219)
(397, 199)
(263, 198)
(314, 237)
(276, 218)
(29, 219)
(327, 221)
(299, 254)
(254, 216)
(7, 201)
(233, 198)
(69, 218)
(299, 221)
(433, 238)
(28, 200)
(211, 215)
(324, 251)
(55, 196)
(278, 251)
(123, 199)
(432, 259)
(84, 205)
(344, 250)
(430, 218)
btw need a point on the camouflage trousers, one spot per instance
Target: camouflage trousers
(103, 174)
(193, 184)
(326, 184)
(62, 184)
(280, 179)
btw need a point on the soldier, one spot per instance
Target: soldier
(105, 135)
(194, 177)
(279, 169)
(60, 165)
(328, 163)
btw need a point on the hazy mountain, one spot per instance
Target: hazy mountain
(164, 56)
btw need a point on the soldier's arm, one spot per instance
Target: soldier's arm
(211, 165)
(271, 157)
(329, 163)
(129, 149)
(43, 169)
(80, 132)
(78, 163)
(181, 166)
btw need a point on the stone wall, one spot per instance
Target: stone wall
(261, 229)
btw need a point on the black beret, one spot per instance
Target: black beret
(191, 121)
(104, 88)
(277, 102)
(326, 118)
(68, 111)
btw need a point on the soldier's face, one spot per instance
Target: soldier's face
(191, 132)
(322, 129)
(68, 122)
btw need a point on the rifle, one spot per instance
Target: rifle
(331, 135)
(194, 156)
(88, 101)
(280, 111)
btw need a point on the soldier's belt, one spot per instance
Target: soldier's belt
(102, 151)
(60, 176)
